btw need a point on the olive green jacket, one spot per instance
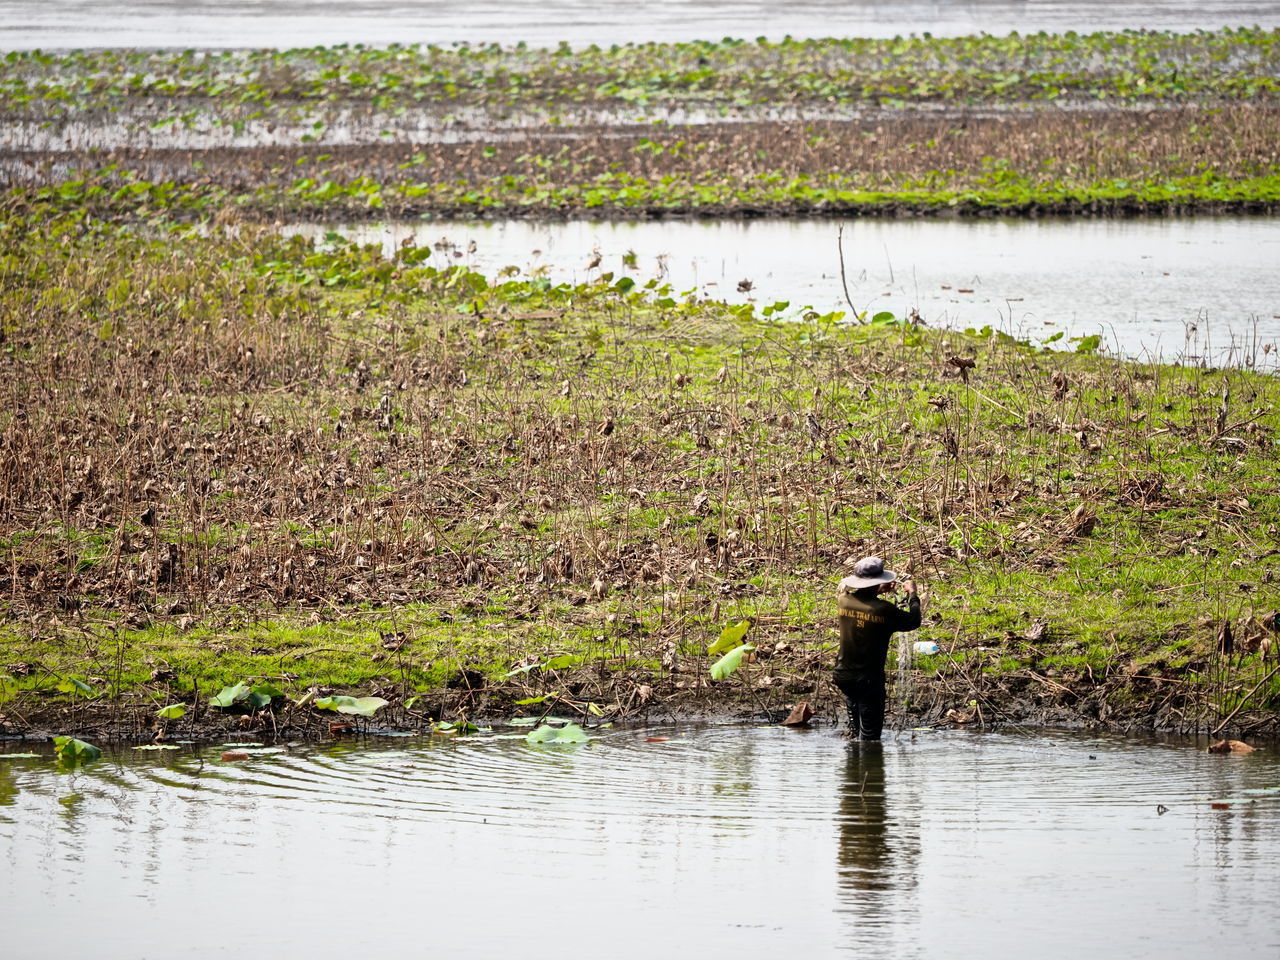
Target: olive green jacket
(865, 628)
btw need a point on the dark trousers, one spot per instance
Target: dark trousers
(864, 697)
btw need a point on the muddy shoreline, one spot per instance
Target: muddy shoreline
(1130, 704)
(890, 210)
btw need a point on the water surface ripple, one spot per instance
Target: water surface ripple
(721, 839)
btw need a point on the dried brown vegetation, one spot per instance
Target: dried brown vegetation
(197, 435)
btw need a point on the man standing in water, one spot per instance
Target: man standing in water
(866, 623)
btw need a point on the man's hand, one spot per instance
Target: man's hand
(909, 588)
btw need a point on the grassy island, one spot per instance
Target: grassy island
(236, 456)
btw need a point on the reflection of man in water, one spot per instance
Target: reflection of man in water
(877, 860)
(864, 857)
(866, 623)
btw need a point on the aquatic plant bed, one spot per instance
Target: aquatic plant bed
(1104, 124)
(243, 459)
(242, 86)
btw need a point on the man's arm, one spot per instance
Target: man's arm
(909, 619)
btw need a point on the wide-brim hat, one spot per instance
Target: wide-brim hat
(868, 572)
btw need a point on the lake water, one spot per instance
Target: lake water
(720, 841)
(1189, 288)
(65, 24)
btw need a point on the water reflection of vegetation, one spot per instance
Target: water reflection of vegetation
(8, 788)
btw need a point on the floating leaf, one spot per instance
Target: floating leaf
(730, 662)
(730, 637)
(356, 706)
(230, 696)
(173, 711)
(523, 722)
(19, 756)
(72, 750)
(157, 746)
(452, 726)
(569, 733)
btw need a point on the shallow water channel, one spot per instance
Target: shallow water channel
(722, 840)
(1202, 288)
(297, 23)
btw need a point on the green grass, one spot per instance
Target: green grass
(830, 194)
(258, 473)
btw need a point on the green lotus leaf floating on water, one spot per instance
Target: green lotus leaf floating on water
(71, 750)
(354, 706)
(569, 733)
(452, 726)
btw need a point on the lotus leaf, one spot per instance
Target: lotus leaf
(70, 749)
(355, 706)
(563, 661)
(528, 701)
(569, 733)
(730, 637)
(230, 696)
(72, 685)
(730, 662)
(451, 726)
